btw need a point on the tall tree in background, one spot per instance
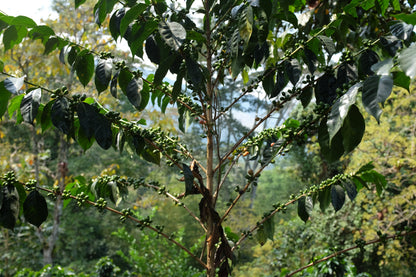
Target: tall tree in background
(334, 52)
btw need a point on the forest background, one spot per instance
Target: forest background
(79, 240)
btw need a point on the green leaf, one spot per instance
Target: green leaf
(391, 44)
(331, 152)
(189, 180)
(35, 208)
(383, 67)
(30, 105)
(4, 99)
(409, 18)
(305, 207)
(13, 84)
(145, 96)
(346, 73)
(50, 45)
(375, 178)
(113, 84)
(132, 14)
(22, 20)
(15, 106)
(87, 116)
(310, 59)
(261, 236)
(1, 66)
(41, 32)
(124, 78)
(384, 4)
(402, 80)
(306, 96)
(340, 110)
(103, 72)
(268, 227)
(337, 197)
(84, 66)
(9, 210)
(407, 61)
(140, 31)
(352, 129)
(102, 8)
(325, 89)
(45, 120)
(61, 115)
(376, 89)
(173, 33)
(151, 155)
(13, 35)
(152, 50)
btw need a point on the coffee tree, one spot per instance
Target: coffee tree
(341, 57)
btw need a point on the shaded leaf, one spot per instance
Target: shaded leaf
(352, 129)
(328, 44)
(133, 91)
(325, 89)
(337, 197)
(30, 105)
(331, 152)
(115, 22)
(346, 73)
(305, 207)
(152, 50)
(293, 71)
(84, 67)
(350, 188)
(45, 120)
(113, 84)
(189, 180)
(103, 72)
(87, 116)
(9, 210)
(268, 226)
(151, 155)
(310, 59)
(306, 96)
(391, 44)
(131, 15)
(4, 99)
(324, 198)
(35, 208)
(61, 115)
(13, 35)
(103, 133)
(366, 60)
(261, 236)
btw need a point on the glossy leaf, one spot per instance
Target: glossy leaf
(383, 67)
(103, 72)
(328, 44)
(337, 197)
(407, 61)
(325, 89)
(113, 85)
(346, 73)
(61, 116)
(9, 210)
(103, 133)
(331, 152)
(376, 89)
(13, 84)
(402, 80)
(133, 91)
(152, 50)
(14, 106)
(402, 30)
(366, 60)
(87, 116)
(35, 208)
(293, 71)
(391, 44)
(324, 198)
(305, 207)
(45, 120)
(350, 188)
(79, 3)
(340, 110)
(30, 105)
(84, 67)
(173, 33)
(115, 22)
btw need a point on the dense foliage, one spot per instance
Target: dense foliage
(337, 60)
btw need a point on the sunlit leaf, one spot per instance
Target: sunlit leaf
(13, 84)
(30, 105)
(173, 33)
(376, 89)
(103, 72)
(407, 61)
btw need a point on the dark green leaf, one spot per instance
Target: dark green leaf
(194, 73)
(139, 32)
(124, 78)
(84, 66)
(346, 73)
(42, 32)
(367, 167)
(409, 18)
(145, 96)
(72, 54)
(115, 22)
(375, 178)
(306, 96)
(189, 180)
(407, 61)
(30, 105)
(261, 236)
(87, 116)
(152, 50)
(325, 89)
(79, 3)
(151, 155)
(131, 15)
(366, 60)
(61, 115)
(177, 86)
(84, 141)
(4, 99)
(268, 227)
(352, 129)
(310, 59)
(324, 197)
(268, 81)
(22, 20)
(103, 74)
(391, 44)
(376, 89)
(350, 188)
(113, 84)
(35, 208)
(13, 84)
(331, 152)
(305, 207)
(340, 110)
(337, 197)
(50, 45)
(293, 71)
(173, 33)
(14, 106)
(103, 133)
(9, 210)
(133, 92)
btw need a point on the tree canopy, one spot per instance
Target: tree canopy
(338, 60)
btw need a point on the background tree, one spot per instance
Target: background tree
(333, 51)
